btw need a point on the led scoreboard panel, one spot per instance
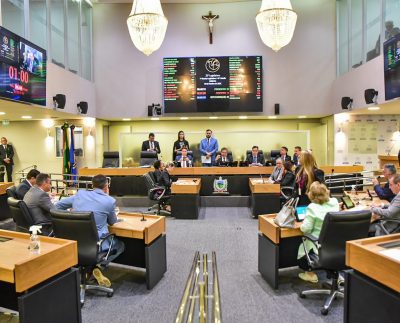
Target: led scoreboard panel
(213, 84)
(22, 69)
(391, 58)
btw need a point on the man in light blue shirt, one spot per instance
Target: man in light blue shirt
(208, 149)
(103, 207)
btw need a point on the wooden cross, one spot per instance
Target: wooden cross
(210, 19)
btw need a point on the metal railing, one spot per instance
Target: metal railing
(350, 182)
(196, 294)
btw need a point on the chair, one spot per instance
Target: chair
(12, 192)
(147, 158)
(155, 193)
(249, 152)
(23, 220)
(382, 224)
(274, 155)
(338, 227)
(110, 159)
(81, 227)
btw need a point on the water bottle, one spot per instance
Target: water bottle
(34, 242)
(353, 190)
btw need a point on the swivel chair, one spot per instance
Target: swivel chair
(156, 193)
(81, 227)
(337, 228)
(147, 158)
(274, 155)
(383, 224)
(110, 159)
(12, 192)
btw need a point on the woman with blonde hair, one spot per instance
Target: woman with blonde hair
(306, 174)
(316, 211)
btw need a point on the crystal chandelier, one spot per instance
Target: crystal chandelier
(276, 21)
(147, 25)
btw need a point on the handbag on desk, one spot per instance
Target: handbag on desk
(286, 217)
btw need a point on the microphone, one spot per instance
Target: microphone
(143, 219)
(330, 177)
(262, 178)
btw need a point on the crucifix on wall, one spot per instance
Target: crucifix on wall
(210, 19)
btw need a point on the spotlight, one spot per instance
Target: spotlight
(371, 96)
(82, 107)
(347, 103)
(59, 101)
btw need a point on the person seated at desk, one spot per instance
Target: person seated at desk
(306, 174)
(385, 193)
(288, 178)
(103, 207)
(27, 183)
(316, 211)
(164, 179)
(223, 159)
(151, 144)
(38, 200)
(255, 158)
(180, 143)
(184, 160)
(387, 211)
(277, 173)
(284, 156)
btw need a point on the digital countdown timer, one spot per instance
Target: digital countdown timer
(22, 69)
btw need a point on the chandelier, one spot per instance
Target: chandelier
(147, 25)
(276, 22)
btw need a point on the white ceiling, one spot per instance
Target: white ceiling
(172, 1)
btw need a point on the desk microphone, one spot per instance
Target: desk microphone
(330, 177)
(262, 178)
(143, 219)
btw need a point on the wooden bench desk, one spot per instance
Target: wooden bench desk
(185, 201)
(4, 208)
(265, 197)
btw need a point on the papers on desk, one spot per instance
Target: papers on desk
(205, 160)
(393, 253)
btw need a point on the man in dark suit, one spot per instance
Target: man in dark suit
(385, 193)
(184, 160)
(255, 158)
(39, 202)
(284, 156)
(151, 144)
(223, 159)
(296, 155)
(6, 159)
(27, 183)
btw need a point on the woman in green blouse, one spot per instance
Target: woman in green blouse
(320, 205)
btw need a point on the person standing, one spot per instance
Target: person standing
(6, 159)
(208, 149)
(296, 156)
(151, 144)
(179, 144)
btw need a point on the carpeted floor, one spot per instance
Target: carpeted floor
(245, 296)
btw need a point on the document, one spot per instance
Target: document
(205, 160)
(393, 253)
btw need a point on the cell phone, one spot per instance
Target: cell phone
(348, 203)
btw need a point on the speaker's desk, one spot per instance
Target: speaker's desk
(145, 244)
(4, 209)
(42, 287)
(372, 292)
(277, 248)
(185, 200)
(265, 197)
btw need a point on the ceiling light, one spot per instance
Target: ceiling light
(2, 113)
(212, 117)
(302, 117)
(26, 117)
(126, 119)
(155, 119)
(272, 117)
(242, 117)
(374, 108)
(48, 123)
(184, 118)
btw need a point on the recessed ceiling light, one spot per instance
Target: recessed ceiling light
(184, 118)
(26, 117)
(302, 117)
(212, 117)
(155, 119)
(373, 108)
(242, 117)
(2, 113)
(272, 117)
(126, 119)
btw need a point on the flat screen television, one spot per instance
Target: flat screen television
(22, 69)
(212, 84)
(391, 57)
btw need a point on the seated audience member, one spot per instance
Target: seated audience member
(103, 206)
(306, 174)
(27, 183)
(277, 173)
(385, 193)
(288, 177)
(284, 155)
(255, 158)
(39, 202)
(388, 211)
(296, 155)
(158, 169)
(316, 211)
(223, 159)
(184, 160)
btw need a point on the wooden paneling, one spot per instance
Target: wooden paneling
(258, 185)
(4, 186)
(364, 256)
(186, 186)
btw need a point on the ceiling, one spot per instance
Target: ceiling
(173, 1)
(392, 107)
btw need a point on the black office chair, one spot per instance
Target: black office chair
(338, 227)
(12, 192)
(147, 158)
(156, 193)
(383, 224)
(273, 156)
(248, 152)
(81, 227)
(110, 159)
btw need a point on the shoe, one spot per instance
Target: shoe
(309, 278)
(101, 279)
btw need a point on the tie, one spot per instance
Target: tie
(255, 159)
(224, 159)
(151, 145)
(209, 141)
(5, 149)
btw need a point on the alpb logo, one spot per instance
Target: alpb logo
(220, 186)
(212, 65)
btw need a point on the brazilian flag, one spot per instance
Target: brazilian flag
(66, 157)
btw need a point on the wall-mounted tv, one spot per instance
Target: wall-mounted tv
(22, 69)
(212, 84)
(391, 56)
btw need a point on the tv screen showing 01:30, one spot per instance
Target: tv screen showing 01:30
(212, 84)
(22, 69)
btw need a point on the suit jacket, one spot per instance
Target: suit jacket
(392, 211)
(288, 180)
(295, 160)
(286, 159)
(8, 152)
(39, 204)
(260, 159)
(177, 145)
(301, 187)
(384, 193)
(219, 161)
(211, 148)
(22, 189)
(189, 163)
(276, 175)
(146, 146)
